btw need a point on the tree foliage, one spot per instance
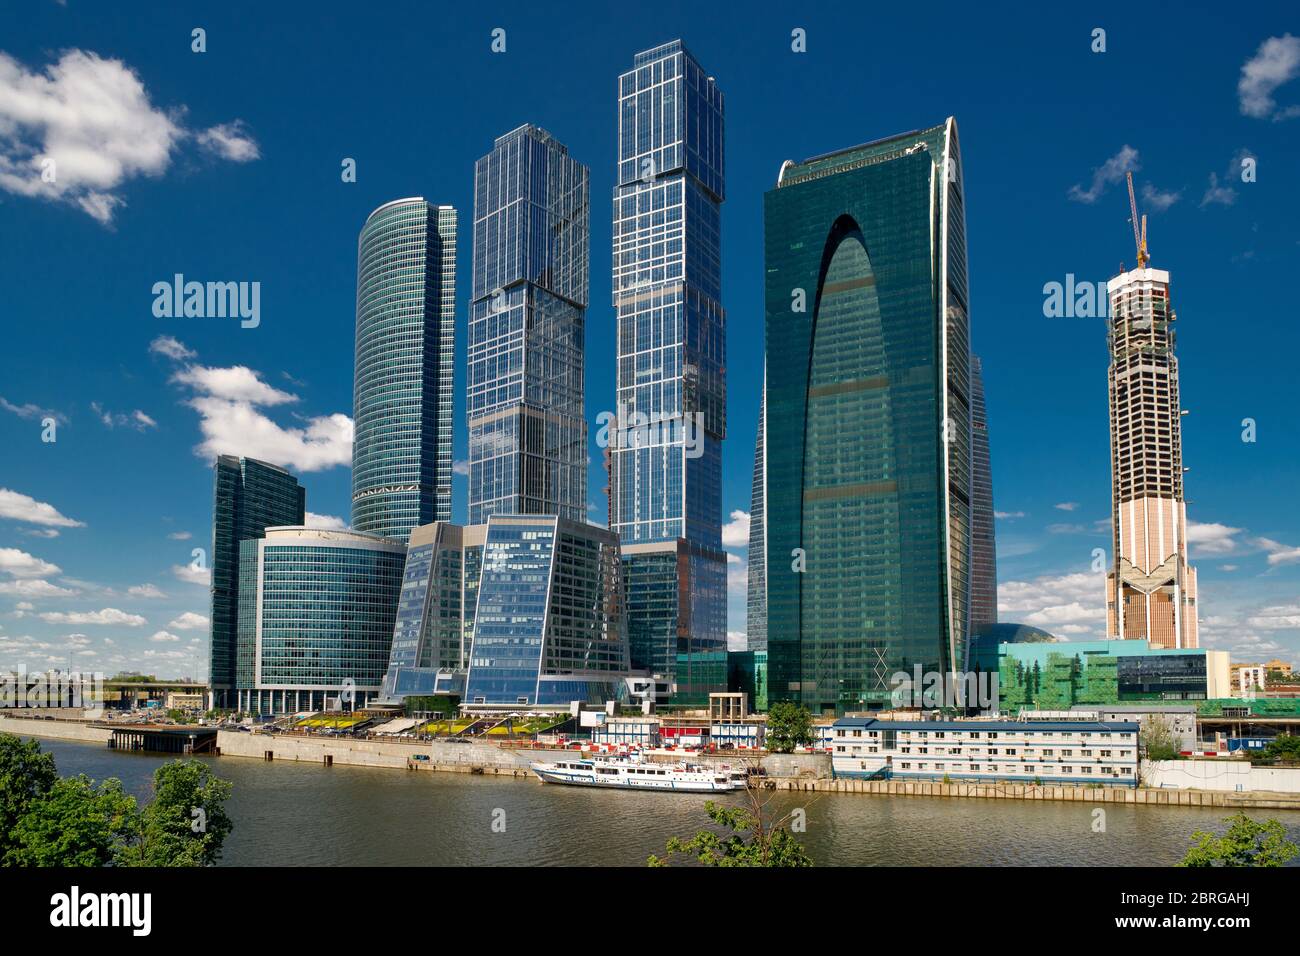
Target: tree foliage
(788, 725)
(1158, 740)
(1246, 843)
(750, 842)
(1285, 747)
(45, 821)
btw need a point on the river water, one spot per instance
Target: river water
(307, 815)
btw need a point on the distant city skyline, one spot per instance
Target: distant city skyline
(237, 179)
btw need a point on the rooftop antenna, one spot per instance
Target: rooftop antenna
(1139, 236)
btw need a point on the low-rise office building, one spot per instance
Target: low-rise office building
(971, 751)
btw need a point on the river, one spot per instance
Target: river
(303, 814)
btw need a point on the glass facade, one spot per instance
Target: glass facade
(665, 450)
(402, 399)
(250, 496)
(984, 549)
(549, 627)
(317, 612)
(747, 674)
(527, 430)
(756, 597)
(868, 424)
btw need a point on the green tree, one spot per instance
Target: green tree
(26, 776)
(751, 841)
(1285, 748)
(1158, 739)
(186, 823)
(788, 726)
(1246, 843)
(78, 823)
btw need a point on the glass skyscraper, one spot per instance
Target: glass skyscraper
(868, 420)
(550, 623)
(666, 449)
(984, 548)
(249, 497)
(756, 603)
(402, 399)
(527, 426)
(316, 613)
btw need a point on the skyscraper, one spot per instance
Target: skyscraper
(550, 624)
(756, 603)
(527, 426)
(1150, 589)
(249, 497)
(984, 551)
(868, 424)
(406, 335)
(666, 446)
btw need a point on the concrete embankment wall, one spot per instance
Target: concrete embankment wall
(1018, 791)
(1216, 774)
(466, 757)
(57, 729)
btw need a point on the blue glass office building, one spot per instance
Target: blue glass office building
(316, 613)
(868, 420)
(249, 497)
(527, 431)
(402, 398)
(665, 451)
(549, 627)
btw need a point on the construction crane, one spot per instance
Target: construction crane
(1139, 238)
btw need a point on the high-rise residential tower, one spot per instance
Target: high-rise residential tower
(249, 497)
(666, 446)
(406, 335)
(527, 426)
(1151, 589)
(868, 420)
(756, 603)
(984, 551)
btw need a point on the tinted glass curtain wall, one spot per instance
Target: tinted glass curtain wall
(405, 347)
(868, 422)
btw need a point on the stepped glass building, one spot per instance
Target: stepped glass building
(1151, 589)
(868, 420)
(316, 613)
(527, 426)
(402, 398)
(665, 450)
(249, 497)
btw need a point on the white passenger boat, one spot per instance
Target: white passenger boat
(635, 775)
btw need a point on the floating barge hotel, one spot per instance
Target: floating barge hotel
(1055, 752)
(636, 775)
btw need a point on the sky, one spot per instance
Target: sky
(226, 165)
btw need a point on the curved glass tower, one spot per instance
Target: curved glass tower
(868, 420)
(406, 334)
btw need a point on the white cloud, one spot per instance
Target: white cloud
(91, 117)
(1276, 618)
(328, 522)
(1278, 553)
(172, 348)
(1063, 604)
(1008, 515)
(23, 565)
(1216, 195)
(41, 533)
(735, 533)
(109, 615)
(1211, 538)
(230, 141)
(1107, 174)
(180, 536)
(1276, 62)
(1066, 529)
(1067, 506)
(189, 621)
(164, 637)
(31, 412)
(34, 589)
(192, 575)
(460, 467)
(737, 575)
(1158, 200)
(136, 419)
(232, 425)
(20, 507)
(145, 591)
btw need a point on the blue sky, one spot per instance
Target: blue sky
(225, 165)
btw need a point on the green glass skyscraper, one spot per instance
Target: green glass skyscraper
(406, 335)
(249, 497)
(868, 420)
